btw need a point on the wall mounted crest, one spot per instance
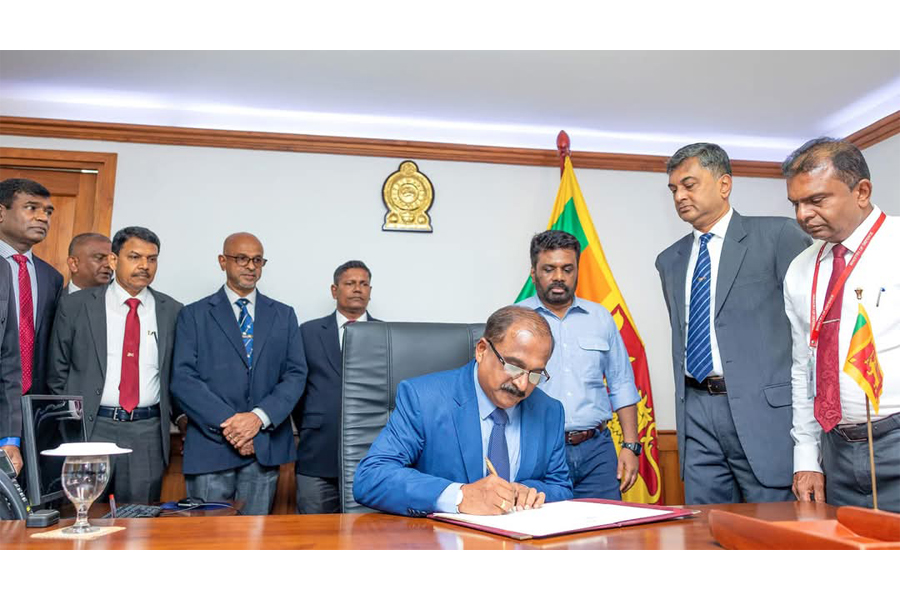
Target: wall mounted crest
(407, 194)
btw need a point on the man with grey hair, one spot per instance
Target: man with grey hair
(731, 340)
(431, 455)
(851, 265)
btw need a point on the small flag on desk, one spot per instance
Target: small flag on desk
(862, 360)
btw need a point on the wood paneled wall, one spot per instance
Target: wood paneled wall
(285, 503)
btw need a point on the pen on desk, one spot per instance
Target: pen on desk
(878, 300)
(112, 506)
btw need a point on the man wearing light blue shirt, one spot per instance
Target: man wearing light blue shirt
(592, 374)
(430, 457)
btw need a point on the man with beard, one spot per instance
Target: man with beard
(855, 252)
(113, 345)
(88, 262)
(731, 340)
(431, 455)
(238, 371)
(592, 374)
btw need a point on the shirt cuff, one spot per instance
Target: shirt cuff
(10, 441)
(446, 502)
(266, 421)
(806, 457)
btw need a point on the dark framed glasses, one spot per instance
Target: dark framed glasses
(243, 261)
(534, 377)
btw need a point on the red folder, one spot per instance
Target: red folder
(670, 513)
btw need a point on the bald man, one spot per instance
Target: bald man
(88, 262)
(239, 369)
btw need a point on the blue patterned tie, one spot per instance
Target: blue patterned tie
(245, 322)
(498, 452)
(699, 347)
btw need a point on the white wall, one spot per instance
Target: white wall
(313, 212)
(884, 167)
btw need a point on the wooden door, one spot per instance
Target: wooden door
(81, 185)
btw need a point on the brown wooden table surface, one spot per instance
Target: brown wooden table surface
(383, 532)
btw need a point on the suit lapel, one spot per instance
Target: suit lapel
(678, 272)
(328, 333)
(43, 288)
(262, 323)
(223, 315)
(162, 306)
(466, 421)
(96, 313)
(733, 253)
(529, 434)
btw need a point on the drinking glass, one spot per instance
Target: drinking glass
(83, 479)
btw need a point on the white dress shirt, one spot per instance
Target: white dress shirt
(148, 363)
(878, 275)
(73, 288)
(714, 246)
(7, 252)
(341, 321)
(233, 297)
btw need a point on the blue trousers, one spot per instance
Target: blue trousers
(592, 467)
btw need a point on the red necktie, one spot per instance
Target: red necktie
(26, 322)
(827, 406)
(129, 385)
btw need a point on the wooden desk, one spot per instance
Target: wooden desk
(382, 532)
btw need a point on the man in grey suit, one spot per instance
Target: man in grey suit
(113, 346)
(731, 340)
(10, 372)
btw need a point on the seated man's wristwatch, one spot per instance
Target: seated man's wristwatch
(633, 446)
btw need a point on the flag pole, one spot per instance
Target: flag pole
(871, 455)
(562, 146)
(859, 294)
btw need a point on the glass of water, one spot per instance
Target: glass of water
(83, 480)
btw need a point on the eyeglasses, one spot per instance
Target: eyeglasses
(534, 377)
(243, 261)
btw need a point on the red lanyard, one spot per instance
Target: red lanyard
(839, 286)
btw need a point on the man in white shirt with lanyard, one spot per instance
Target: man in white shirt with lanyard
(829, 185)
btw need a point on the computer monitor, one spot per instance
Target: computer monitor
(47, 422)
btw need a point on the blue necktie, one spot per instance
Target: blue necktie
(245, 322)
(699, 346)
(498, 452)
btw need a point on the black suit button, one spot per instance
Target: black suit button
(99, 391)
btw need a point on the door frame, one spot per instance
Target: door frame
(102, 162)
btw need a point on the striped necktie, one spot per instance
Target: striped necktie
(699, 345)
(245, 322)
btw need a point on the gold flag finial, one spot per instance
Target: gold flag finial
(858, 294)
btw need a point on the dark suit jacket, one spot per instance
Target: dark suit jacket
(10, 359)
(753, 334)
(433, 439)
(213, 380)
(78, 353)
(49, 283)
(318, 414)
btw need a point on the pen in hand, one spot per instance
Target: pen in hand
(493, 471)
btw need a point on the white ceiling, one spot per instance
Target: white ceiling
(757, 104)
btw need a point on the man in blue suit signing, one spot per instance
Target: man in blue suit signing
(430, 457)
(238, 370)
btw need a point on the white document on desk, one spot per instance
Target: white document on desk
(558, 517)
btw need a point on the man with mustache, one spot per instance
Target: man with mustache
(112, 345)
(592, 374)
(430, 457)
(318, 413)
(730, 337)
(25, 211)
(88, 262)
(239, 369)
(856, 250)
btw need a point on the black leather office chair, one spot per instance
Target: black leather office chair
(378, 356)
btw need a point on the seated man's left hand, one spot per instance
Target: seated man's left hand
(528, 497)
(627, 470)
(240, 428)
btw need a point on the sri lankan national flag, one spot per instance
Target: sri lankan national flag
(596, 283)
(862, 361)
